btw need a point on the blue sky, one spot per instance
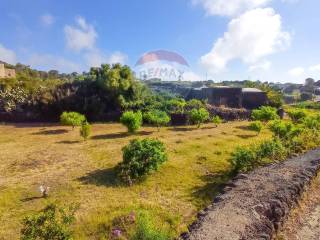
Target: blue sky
(269, 40)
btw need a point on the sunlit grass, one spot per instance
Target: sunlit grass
(83, 172)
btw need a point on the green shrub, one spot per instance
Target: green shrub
(148, 229)
(256, 126)
(72, 119)
(199, 116)
(243, 159)
(158, 118)
(85, 130)
(312, 122)
(132, 120)
(297, 116)
(271, 149)
(284, 130)
(51, 223)
(141, 157)
(265, 114)
(176, 105)
(194, 104)
(216, 120)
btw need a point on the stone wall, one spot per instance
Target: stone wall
(6, 72)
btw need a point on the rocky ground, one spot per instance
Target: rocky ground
(304, 221)
(255, 205)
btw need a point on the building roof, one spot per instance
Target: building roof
(251, 90)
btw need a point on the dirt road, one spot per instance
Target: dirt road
(304, 222)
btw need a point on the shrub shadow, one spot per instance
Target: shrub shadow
(182, 129)
(51, 132)
(68, 142)
(119, 135)
(245, 136)
(246, 128)
(30, 199)
(105, 177)
(214, 184)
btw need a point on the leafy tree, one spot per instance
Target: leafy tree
(216, 120)
(199, 116)
(265, 114)
(141, 157)
(194, 103)
(132, 120)
(51, 223)
(158, 118)
(72, 119)
(176, 105)
(85, 130)
(256, 126)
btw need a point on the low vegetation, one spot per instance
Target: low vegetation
(265, 114)
(132, 120)
(199, 116)
(85, 130)
(50, 223)
(157, 118)
(73, 119)
(256, 127)
(141, 157)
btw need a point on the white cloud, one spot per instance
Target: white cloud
(315, 68)
(7, 55)
(80, 37)
(296, 72)
(47, 19)
(191, 76)
(264, 65)
(48, 62)
(250, 37)
(95, 58)
(229, 7)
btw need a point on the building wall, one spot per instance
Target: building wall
(6, 72)
(2, 71)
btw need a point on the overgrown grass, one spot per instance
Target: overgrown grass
(83, 172)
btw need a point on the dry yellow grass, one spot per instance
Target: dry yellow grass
(83, 172)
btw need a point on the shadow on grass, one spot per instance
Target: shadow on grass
(120, 135)
(246, 128)
(214, 184)
(51, 132)
(68, 142)
(182, 129)
(30, 199)
(106, 177)
(245, 136)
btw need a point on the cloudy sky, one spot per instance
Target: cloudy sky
(268, 40)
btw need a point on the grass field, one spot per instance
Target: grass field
(83, 172)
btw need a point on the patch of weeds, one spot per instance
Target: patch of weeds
(179, 141)
(218, 153)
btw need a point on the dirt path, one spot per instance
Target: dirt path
(304, 221)
(255, 205)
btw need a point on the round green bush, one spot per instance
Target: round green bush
(132, 120)
(141, 157)
(265, 114)
(216, 120)
(72, 119)
(199, 116)
(157, 118)
(256, 126)
(243, 159)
